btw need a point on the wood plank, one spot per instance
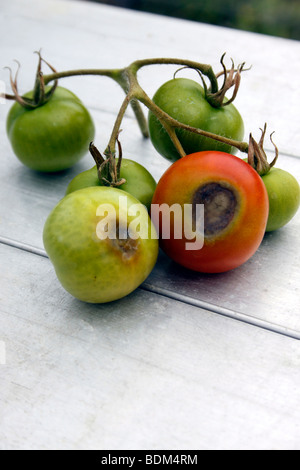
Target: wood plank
(141, 373)
(27, 197)
(266, 288)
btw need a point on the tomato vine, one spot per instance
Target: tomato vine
(134, 95)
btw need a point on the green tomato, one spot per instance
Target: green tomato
(139, 182)
(284, 197)
(52, 137)
(101, 242)
(184, 100)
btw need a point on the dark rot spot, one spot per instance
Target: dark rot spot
(125, 245)
(220, 204)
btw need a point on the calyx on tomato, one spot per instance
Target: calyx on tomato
(108, 168)
(41, 94)
(231, 79)
(257, 157)
(123, 173)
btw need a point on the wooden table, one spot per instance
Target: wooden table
(188, 361)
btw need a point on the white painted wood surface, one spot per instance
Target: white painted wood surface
(187, 361)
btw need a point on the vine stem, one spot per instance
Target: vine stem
(118, 76)
(135, 95)
(116, 129)
(112, 73)
(205, 69)
(169, 123)
(121, 76)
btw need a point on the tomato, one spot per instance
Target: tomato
(139, 182)
(235, 203)
(52, 137)
(184, 100)
(101, 242)
(284, 197)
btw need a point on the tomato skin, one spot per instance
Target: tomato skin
(284, 197)
(234, 245)
(52, 137)
(183, 99)
(139, 182)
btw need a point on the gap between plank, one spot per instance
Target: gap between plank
(272, 327)
(179, 297)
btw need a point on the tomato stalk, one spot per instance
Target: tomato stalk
(118, 76)
(107, 168)
(204, 69)
(40, 94)
(169, 123)
(232, 78)
(127, 79)
(172, 124)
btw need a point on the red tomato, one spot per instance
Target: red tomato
(235, 205)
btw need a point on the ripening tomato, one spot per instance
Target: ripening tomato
(215, 199)
(284, 197)
(184, 100)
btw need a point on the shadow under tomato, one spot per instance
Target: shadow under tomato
(43, 183)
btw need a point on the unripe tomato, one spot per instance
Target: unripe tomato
(284, 197)
(101, 243)
(52, 137)
(235, 203)
(139, 182)
(184, 100)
